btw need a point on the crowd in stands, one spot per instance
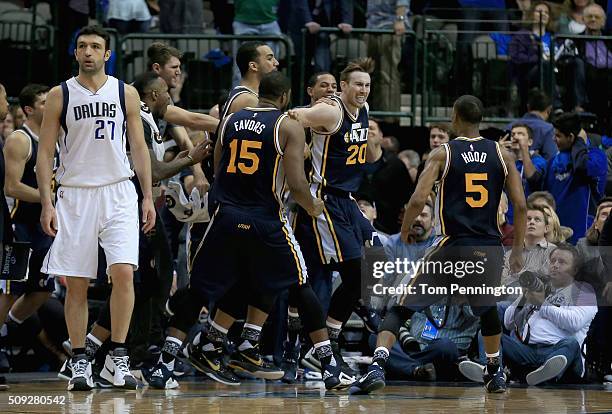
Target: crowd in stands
(560, 137)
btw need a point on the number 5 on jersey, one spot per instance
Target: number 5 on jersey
(472, 187)
(248, 160)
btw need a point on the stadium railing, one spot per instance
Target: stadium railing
(457, 62)
(594, 55)
(209, 69)
(27, 53)
(346, 47)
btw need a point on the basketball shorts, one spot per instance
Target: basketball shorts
(39, 243)
(457, 267)
(255, 251)
(340, 233)
(88, 217)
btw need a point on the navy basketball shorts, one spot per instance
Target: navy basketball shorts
(466, 269)
(338, 234)
(254, 250)
(39, 243)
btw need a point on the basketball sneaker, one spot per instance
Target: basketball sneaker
(81, 379)
(472, 371)
(289, 364)
(65, 371)
(116, 369)
(250, 361)
(211, 364)
(495, 383)
(373, 380)
(346, 375)
(161, 377)
(549, 370)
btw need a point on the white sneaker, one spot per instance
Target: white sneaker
(311, 361)
(117, 370)
(81, 375)
(472, 371)
(549, 370)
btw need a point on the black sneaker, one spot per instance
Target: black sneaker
(370, 317)
(373, 380)
(495, 383)
(347, 375)
(425, 372)
(65, 371)
(211, 364)
(81, 379)
(331, 378)
(161, 378)
(98, 381)
(291, 354)
(250, 360)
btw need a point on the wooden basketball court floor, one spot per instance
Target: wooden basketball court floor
(197, 396)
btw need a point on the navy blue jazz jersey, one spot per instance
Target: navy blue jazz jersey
(23, 211)
(25, 218)
(470, 188)
(249, 240)
(339, 156)
(338, 164)
(250, 172)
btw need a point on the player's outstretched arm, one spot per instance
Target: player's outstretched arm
(293, 139)
(192, 120)
(49, 133)
(516, 194)
(431, 173)
(322, 116)
(140, 155)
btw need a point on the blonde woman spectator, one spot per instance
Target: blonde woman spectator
(571, 20)
(556, 233)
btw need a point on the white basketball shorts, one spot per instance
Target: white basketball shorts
(88, 216)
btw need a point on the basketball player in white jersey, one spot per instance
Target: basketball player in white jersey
(96, 201)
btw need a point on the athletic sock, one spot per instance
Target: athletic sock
(250, 336)
(381, 356)
(324, 353)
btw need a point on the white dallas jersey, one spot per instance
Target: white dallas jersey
(92, 140)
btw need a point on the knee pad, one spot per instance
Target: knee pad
(394, 319)
(233, 303)
(490, 325)
(263, 301)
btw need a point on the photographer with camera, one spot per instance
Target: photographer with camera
(550, 321)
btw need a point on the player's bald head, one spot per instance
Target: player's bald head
(469, 109)
(273, 85)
